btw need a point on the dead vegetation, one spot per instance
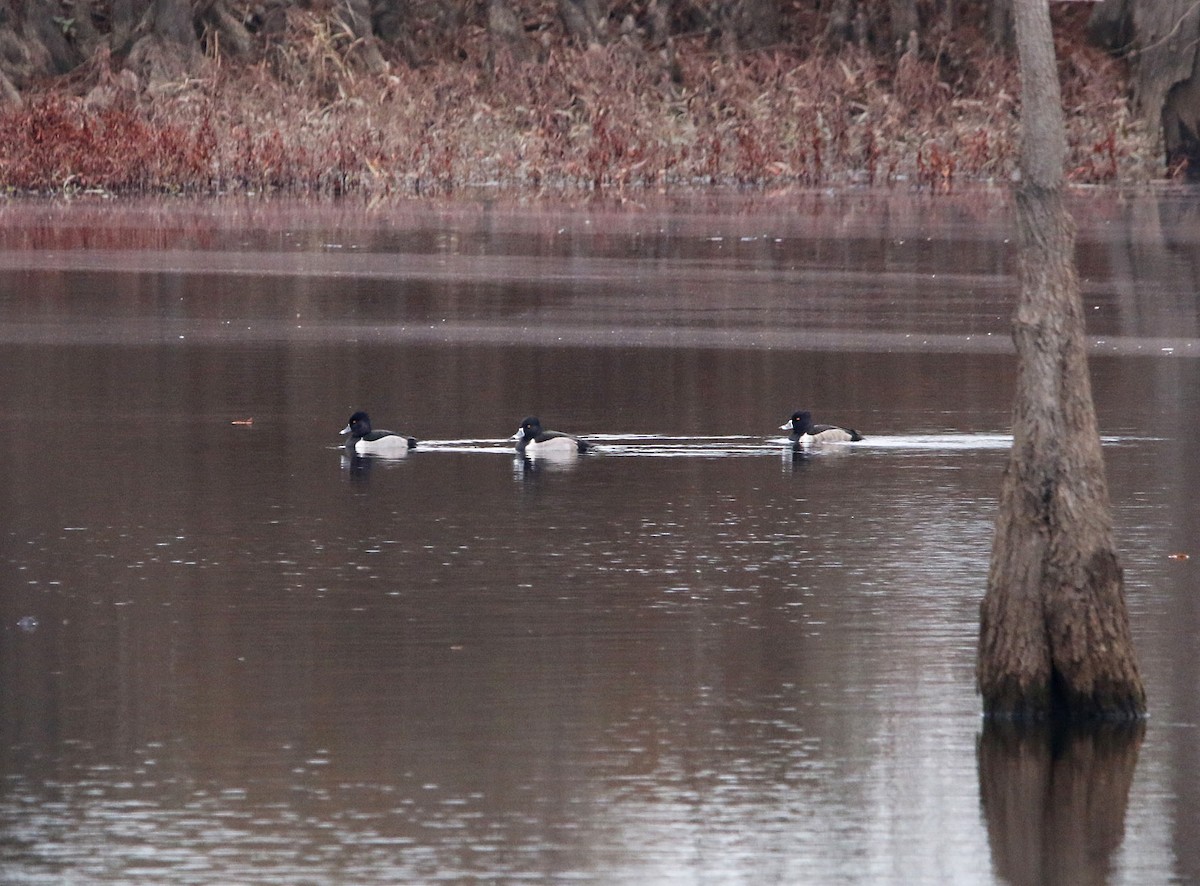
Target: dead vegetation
(308, 119)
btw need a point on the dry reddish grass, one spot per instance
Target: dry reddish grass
(307, 121)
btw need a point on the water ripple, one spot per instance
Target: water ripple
(667, 446)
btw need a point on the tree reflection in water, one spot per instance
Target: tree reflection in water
(1054, 798)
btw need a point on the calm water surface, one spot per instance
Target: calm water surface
(230, 654)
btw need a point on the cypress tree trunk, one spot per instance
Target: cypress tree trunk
(163, 44)
(1054, 632)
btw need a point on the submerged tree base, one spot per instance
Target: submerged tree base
(1054, 630)
(1014, 703)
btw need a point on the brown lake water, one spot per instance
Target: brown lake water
(231, 654)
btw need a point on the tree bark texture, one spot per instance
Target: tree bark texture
(905, 22)
(32, 44)
(1161, 38)
(749, 24)
(507, 43)
(838, 30)
(1054, 631)
(164, 47)
(1000, 21)
(356, 15)
(583, 21)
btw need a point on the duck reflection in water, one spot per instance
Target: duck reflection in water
(526, 468)
(359, 467)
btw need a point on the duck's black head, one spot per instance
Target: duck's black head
(801, 421)
(359, 425)
(530, 427)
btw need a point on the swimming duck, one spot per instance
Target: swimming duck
(365, 441)
(804, 431)
(533, 441)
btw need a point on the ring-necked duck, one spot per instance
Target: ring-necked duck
(533, 441)
(366, 441)
(804, 431)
